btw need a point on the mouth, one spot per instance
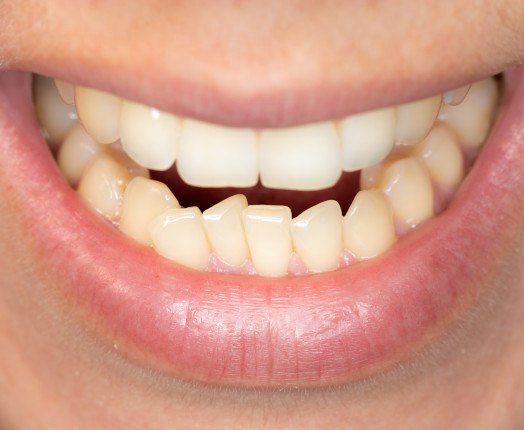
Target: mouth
(365, 238)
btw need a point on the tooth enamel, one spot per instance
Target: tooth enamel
(76, 152)
(149, 136)
(66, 91)
(415, 119)
(268, 238)
(100, 113)
(370, 176)
(368, 226)
(456, 96)
(143, 201)
(407, 185)
(215, 156)
(56, 117)
(300, 158)
(317, 236)
(225, 232)
(367, 138)
(471, 120)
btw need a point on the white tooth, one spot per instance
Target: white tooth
(215, 156)
(368, 226)
(415, 119)
(100, 113)
(300, 158)
(317, 236)
(149, 136)
(268, 237)
(56, 117)
(178, 234)
(66, 91)
(471, 120)
(76, 152)
(223, 224)
(144, 200)
(456, 96)
(407, 185)
(367, 138)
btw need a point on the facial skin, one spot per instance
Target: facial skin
(256, 63)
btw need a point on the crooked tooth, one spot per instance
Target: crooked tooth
(100, 113)
(149, 136)
(178, 234)
(317, 236)
(456, 96)
(66, 91)
(223, 224)
(300, 158)
(415, 119)
(471, 120)
(368, 226)
(367, 138)
(407, 185)
(268, 238)
(56, 117)
(143, 201)
(216, 156)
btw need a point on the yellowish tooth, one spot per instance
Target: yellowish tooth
(370, 176)
(368, 226)
(415, 119)
(225, 232)
(317, 236)
(100, 113)
(456, 96)
(178, 234)
(471, 120)
(144, 200)
(407, 185)
(268, 237)
(66, 91)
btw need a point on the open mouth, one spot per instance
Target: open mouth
(308, 255)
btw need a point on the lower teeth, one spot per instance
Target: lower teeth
(409, 172)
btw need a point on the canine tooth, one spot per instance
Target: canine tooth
(223, 224)
(471, 119)
(407, 185)
(76, 152)
(66, 91)
(216, 156)
(300, 158)
(144, 200)
(317, 236)
(367, 138)
(178, 234)
(100, 113)
(268, 238)
(368, 226)
(149, 136)
(456, 96)
(56, 117)
(415, 119)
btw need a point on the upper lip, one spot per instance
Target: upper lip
(326, 328)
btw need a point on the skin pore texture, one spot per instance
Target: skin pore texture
(258, 63)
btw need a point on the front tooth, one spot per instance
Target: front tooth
(144, 200)
(300, 158)
(149, 136)
(66, 91)
(370, 176)
(367, 138)
(100, 113)
(178, 234)
(56, 117)
(317, 236)
(415, 119)
(268, 237)
(471, 119)
(456, 96)
(223, 224)
(368, 226)
(216, 156)
(407, 185)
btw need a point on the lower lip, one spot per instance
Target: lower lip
(225, 329)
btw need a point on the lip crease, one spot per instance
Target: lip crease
(249, 331)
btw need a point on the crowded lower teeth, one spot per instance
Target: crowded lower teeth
(411, 158)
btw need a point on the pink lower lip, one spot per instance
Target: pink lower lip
(214, 328)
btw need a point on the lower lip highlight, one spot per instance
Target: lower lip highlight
(226, 329)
